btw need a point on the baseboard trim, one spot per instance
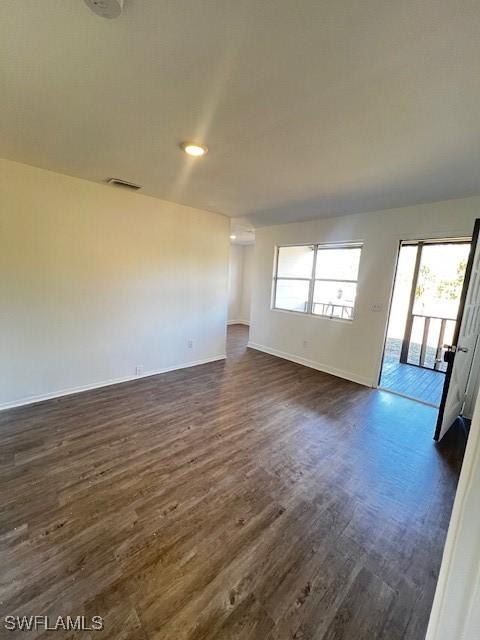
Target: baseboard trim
(106, 383)
(339, 373)
(245, 322)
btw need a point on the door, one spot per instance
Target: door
(459, 354)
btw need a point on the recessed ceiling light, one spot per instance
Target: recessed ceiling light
(194, 149)
(233, 236)
(106, 8)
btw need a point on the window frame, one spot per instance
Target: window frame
(312, 280)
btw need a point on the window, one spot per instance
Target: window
(317, 279)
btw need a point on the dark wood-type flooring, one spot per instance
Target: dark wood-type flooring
(248, 499)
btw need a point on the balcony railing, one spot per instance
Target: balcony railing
(333, 310)
(427, 353)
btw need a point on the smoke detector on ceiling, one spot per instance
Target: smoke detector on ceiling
(106, 8)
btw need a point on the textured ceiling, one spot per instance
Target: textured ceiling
(309, 108)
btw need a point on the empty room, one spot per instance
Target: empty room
(239, 320)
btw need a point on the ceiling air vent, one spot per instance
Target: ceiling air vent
(118, 182)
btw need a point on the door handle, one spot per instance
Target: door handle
(450, 349)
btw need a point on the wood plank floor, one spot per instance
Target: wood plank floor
(414, 382)
(248, 499)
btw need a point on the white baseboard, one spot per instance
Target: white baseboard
(245, 322)
(106, 383)
(339, 373)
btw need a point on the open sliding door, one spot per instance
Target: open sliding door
(459, 354)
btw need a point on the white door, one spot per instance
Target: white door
(463, 348)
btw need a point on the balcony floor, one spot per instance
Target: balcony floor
(411, 381)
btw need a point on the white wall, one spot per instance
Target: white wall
(239, 283)
(349, 349)
(95, 281)
(235, 284)
(247, 282)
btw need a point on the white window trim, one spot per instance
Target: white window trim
(316, 247)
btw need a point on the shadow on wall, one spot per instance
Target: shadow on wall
(239, 283)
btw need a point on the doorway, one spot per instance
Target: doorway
(423, 317)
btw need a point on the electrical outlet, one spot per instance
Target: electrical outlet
(305, 344)
(376, 307)
(138, 370)
(190, 344)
